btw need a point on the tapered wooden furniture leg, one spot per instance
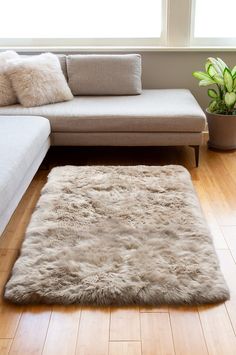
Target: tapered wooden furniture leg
(196, 151)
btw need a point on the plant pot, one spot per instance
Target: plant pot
(222, 131)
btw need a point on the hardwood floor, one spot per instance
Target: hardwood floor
(118, 331)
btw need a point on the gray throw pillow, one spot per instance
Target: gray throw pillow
(93, 74)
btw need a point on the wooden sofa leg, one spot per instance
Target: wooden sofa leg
(196, 151)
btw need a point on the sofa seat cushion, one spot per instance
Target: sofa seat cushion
(170, 110)
(21, 139)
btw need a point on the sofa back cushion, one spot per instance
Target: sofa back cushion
(93, 74)
(62, 59)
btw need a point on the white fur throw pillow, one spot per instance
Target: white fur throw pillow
(38, 80)
(7, 94)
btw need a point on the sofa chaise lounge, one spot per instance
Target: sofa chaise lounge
(154, 118)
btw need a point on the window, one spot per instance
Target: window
(136, 23)
(214, 22)
(78, 21)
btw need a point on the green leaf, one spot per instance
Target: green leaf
(200, 75)
(233, 71)
(218, 79)
(206, 82)
(234, 83)
(212, 93)
(230, 98)
(208, 63)
(222, 64)
(211, 70)
(228, 79)
(212, 106)
(216, 65)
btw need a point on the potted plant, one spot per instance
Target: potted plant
(221, 112)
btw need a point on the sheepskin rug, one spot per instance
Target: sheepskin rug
(117, 235)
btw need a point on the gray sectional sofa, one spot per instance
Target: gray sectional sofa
(24, 142)
(115, 112)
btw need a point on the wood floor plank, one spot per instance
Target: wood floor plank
(223, 180)
(218, 238)
(187, 331)
(156, 334)
(64, 321)
(217, 235)
(229, 233)
(31, 331)
(205, 204)
(228, 268)
(216, 232)
(161, 309)
(125, 348)
(5, 345)
(228, 160)
(10, 317)
(222, 176)
(93, 336)
(217, 329)
(125, 324)
(11, 240)
(7, 259)
(4, 276)
(13, 235)
(9, 314)
(217, 196)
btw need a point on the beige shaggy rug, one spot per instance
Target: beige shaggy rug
(117, 235)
